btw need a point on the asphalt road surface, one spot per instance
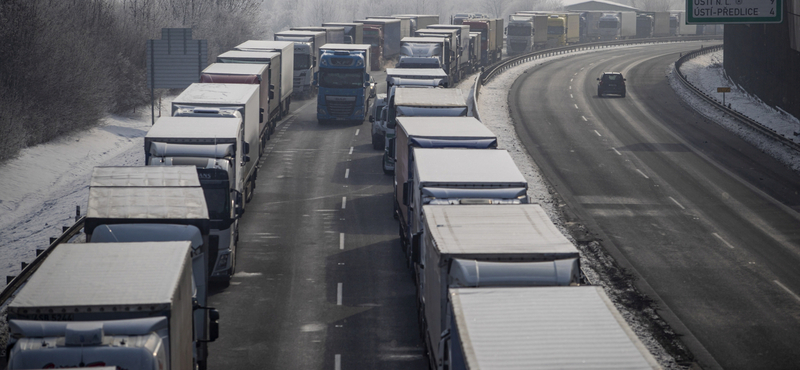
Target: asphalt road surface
(320, 282)
(708, 221)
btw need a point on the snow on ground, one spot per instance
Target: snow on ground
(40, 189)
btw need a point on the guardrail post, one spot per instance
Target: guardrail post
(53, 240)
(9, 279)
(24, 265)
(39, 251)
(64, 229)
(77, 213)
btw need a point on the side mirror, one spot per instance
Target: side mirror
(237, 204)
(271, 94)
(261, 114)
(246, 147)
(213, 327)
(405, 194)
(372, 118)
(245, 159)
(416, 240)
(598, 79)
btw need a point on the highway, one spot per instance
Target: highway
(320, 282)
(707, 221)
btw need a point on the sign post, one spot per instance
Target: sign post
(733, 11)
(723, 90)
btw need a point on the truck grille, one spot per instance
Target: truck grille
(340, 106)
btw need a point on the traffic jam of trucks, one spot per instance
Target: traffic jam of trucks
(474, 245)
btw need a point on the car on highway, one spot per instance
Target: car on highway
(611, 83)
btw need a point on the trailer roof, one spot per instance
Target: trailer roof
(236, 68)
(106, 274)
(459, 166)
(145, 176)
(545, 328)
(137, 203)
(341, 24)
(317, 28)
(492, 229)
(447, 26)
(299, 33)
(348, 47)
(234, 94)
(195, 128)
(239, 54)
(266, 45)
(440, 127)
(412, 97)
(443, 31)
(378, 21)
(413, 72)
(424, 40)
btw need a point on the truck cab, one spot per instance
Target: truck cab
(344, 85)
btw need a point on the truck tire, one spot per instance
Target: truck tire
(377, 143)
(249, 189)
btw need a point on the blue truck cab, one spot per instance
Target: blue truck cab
(344, 86)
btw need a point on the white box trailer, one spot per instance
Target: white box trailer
(246, 73)
(405, 24)
(573, 28)
(660, 24)
(540, 328)
(335, 34)
(353, 32)
(71, 311)
(400, 76)
(306, 51)
(462, 31)
(486, 246)
(627, 27)
(285, 87)
(272, 60)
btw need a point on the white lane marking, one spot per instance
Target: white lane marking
(576, 106)
(598, 134)
(351, 150)
(341, 240)
(723, 240)
(570, 80)
(616, 151)
(584, 118)
(344, 202)
(642, 173)
(576, 73)
(339, 295)
(676, 202)
(337, 362)
(347, 173)
(570, 95)
(570, 87)
(787, 290)
(357, 131)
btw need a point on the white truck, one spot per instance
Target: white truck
(73, 313)
(431, 47)
(216, 147)
(149, 204)
(415, 101)
(306, 50)
(334, 34)
(419, 21)
(353, 32)
(215, 100)
(519, 34)
(482, 246)
(454, 68)
(462, 31)
(283, 85)
(403, 76)
(573, 327)
(661, 22)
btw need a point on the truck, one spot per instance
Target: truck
(417, 101)
(216, 147)
(306, 50)
(344, 83)
(272, 60)
(590, 26)
(462, 32)
(492, 327)
(660, 24)
(212, 100)
(245, 73)
(520, 32)
(486, 246)
(406, 76)
(373, 36)
(418, 21)
(456, 177)
(491, 30)
(153, 207)
(455, 66)
(353, 32)
(281, 67)
(627, 26)
(608, 27)
(391, 34)
(573, 28)
(683, 28)
(556, 30)
(405, 24)
(71, 314)
(432, 132)
(431, 47)
(333, 34)
(644, 26)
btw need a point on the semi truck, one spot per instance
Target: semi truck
(644, 26)
(590, 23)
(306, 50)
(519, 34)
(573, 28)
(212, 100)
(491, 30)
(484, 246)
(419, 101)
(419, 21)
(391, 34)
(353, 32)
(405, 24)
(72, 314)
(574, 327)
(216, 147)
(453, 177)
(407, 76)
(608, 27)
(333, 34)
(283, 84)
(431, 47)
(373, 36)
(246, 73)
(660, 24)
(272, 60)
(462, 32)
(344, 83)
(154, 207)
(475, 50)
(556, 30)
(454, 69)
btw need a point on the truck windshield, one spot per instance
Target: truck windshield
(431, 111)
(218, 199)
(302, 61)
(607, 24)
(341, 79)
(555, 30)
(521, 30)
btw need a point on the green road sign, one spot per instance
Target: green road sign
(733, 11)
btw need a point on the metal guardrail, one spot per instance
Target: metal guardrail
(499, 67)
(718, 105)
(26, 272)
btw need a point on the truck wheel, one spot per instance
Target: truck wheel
(376, 142)
(248, 191)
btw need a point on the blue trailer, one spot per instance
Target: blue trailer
(344, 85)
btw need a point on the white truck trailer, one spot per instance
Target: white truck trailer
(306, 50)
(454, 67)
(284, 85)
(431, 47)
(272, 61)
(486, 246)
(216, 147)
(462, 31)
(334, 34)
(661, 24)
(541, 327)
(72, 313)
(353, 32)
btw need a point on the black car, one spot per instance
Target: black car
(611, 83)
